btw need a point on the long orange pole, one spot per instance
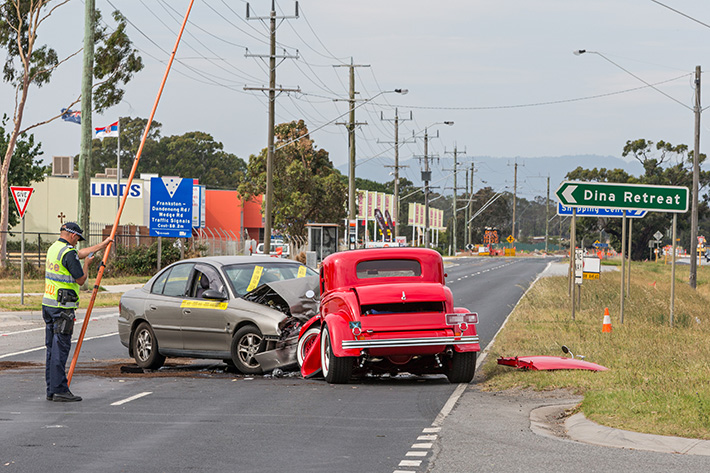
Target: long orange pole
(123, 200)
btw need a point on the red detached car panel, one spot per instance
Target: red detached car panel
(385, 311)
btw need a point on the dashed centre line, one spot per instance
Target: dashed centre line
(132, 398)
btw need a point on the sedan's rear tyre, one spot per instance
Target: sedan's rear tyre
(462, 367)
(336, 369)
(145, 348)
(305, 343)
(247, 342)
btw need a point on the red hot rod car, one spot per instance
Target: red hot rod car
(385, 311)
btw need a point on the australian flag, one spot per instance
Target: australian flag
(71, 116)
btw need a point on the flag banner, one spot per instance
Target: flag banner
(111, 130)
(71, 116)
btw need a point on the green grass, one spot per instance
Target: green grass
(659, 376)
(12, 303)
(10, 286)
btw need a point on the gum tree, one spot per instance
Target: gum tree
(29, 63)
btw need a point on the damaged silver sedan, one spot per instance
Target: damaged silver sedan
(244, 310)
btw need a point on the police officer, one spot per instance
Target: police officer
(63, 277)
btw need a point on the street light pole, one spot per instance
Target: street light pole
(692, 279)
(351, 125)
(426, 177)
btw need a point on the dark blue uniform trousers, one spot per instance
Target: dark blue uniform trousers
(58, 347)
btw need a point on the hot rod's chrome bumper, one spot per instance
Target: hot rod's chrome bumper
(410, 342)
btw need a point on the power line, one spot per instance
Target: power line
(540, 104)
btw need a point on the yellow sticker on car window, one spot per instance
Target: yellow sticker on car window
(255, 276)
(301, 272)
(204, 304)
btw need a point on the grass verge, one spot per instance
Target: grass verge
(103, 299)
(12, 286)
(659, 376)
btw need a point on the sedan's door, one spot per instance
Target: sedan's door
(205, 322)
(162, 308)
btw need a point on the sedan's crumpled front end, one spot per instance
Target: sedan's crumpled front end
(298, 300)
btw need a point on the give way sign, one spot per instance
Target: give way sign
(22, 198)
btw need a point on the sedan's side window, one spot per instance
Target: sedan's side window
(159, 283)
(176, 284)
(206, 277)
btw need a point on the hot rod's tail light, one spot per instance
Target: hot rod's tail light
(458, 319)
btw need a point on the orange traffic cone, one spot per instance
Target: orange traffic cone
(606, 327)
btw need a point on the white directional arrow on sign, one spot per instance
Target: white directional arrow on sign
(567, 193)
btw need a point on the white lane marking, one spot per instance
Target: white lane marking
(132, 398)
(426, 437)
(422, 445)
(416, 453)
(449, 405)
(7, 355)
(403, 471)
(431, 430)
(410, 463)
(78, 322)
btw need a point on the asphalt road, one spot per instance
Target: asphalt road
(199, 418)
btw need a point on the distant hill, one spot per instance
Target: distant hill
(499, 172)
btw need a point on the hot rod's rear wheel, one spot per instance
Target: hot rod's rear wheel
(461, 367)
(336, 370)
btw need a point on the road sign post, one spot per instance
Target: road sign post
(22, 195)
(673, 199)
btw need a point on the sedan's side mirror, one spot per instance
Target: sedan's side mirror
(213, 294)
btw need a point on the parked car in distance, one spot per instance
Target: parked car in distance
(277, 248)
(385, 311)
(234, 308)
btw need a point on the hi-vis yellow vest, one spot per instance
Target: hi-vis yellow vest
(56, 277)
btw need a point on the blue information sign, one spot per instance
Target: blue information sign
(600, 212)
(171, 207)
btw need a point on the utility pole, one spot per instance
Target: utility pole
(272, 89)
(396, 166)
(84, 183)
(515, 195)
(426, 177)
(465, 230)
(351, 125)
(696, 173)
(547, 214)
(468, 208)
(455, 170)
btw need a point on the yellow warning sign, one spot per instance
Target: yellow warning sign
(510, 239)
(590, 275)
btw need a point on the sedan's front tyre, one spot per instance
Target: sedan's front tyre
(336, 369)
(247, 342)
(145, 348)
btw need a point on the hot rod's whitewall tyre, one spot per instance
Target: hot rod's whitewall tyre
(336, 370)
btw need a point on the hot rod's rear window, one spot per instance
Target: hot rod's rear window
(388, 268)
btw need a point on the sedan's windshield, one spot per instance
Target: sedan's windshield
(247, 277)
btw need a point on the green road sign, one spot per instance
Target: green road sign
(624, 196)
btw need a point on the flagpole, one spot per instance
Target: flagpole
(118, 168)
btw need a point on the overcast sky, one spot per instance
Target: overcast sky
(503, 71)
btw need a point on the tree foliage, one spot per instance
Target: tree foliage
(194, 154)
(26, 166)
(307, 188)
(30, 63)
